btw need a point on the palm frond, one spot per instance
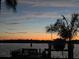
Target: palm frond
(64, 18)
(65, 30)
(0, 4)
(11, 4)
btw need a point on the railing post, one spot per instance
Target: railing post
(31, 43)
(70, 50)
(49, 51)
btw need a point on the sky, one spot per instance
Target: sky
(32, 16)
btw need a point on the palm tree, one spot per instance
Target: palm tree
(10, 4)
(67, 29)
(49, 29)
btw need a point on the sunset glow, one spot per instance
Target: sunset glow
(32, 17)
(29, 36)
(36, 36)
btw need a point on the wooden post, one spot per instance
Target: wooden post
(31, 43)
(39, 51)
(49, 51)
(70, 50)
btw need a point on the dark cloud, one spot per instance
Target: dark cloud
(15, 32)
(48, 0)
(8, 22)
(12, 23)
(51, 3)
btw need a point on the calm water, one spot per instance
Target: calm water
(5, 49)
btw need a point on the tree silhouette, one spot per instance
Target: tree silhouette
(0, 4)
(49, 29)
(67, 28)
(64, 28)
(10, 4)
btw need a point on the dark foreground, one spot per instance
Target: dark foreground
(27, 58)
(30, 58)
(33, 53)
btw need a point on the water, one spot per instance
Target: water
(5, 49)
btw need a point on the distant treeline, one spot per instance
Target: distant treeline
(35, 41)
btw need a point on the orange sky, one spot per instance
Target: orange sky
(34, 36)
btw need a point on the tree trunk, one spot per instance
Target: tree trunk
(51, 35)
(70, 50)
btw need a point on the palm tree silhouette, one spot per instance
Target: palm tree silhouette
(49, 29)
(10, 4)
(67, 29)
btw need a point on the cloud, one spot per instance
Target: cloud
(38, 15)
(44, 15)
(24, 18)
(51, 3)
(15, 32)
(14, 23)
(20, 18)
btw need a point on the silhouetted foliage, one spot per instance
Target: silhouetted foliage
(67, 28)
(49, 29)
(0, 4)
(10, 4)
